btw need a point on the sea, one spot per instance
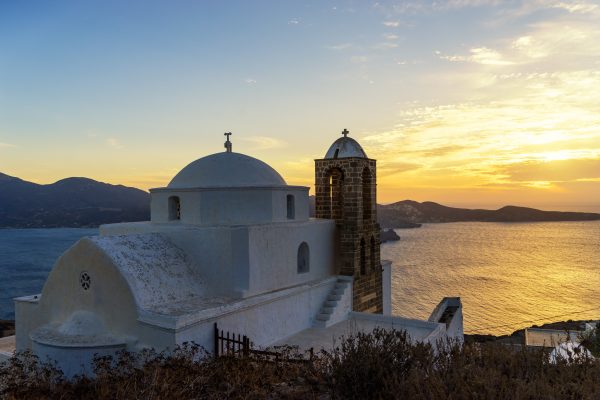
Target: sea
(508, 275)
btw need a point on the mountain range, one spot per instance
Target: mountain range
(83, 202)
(71, 202)
(397, 215)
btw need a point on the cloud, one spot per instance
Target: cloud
(386, 45)
(576, 7)
(341, 46)
(6, 145)
(359, 59)
(479, 55)
(114, 143)
(387, 168)
(250, 81)
(294, 21)
(538, 130)
(263, 143)
(553, 171)
(391, 24)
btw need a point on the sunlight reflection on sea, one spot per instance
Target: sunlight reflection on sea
(505, 273)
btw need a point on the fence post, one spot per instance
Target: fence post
(246, 346)
(216, 333)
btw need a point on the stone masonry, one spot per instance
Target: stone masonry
(346, 192)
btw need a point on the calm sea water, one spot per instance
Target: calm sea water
(509, 275)
(26, 258)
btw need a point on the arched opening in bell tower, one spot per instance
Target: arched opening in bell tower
(335, 194)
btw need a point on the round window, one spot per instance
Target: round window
(85, 281)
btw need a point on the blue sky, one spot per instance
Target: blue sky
(463, 99)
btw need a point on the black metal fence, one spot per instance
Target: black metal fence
(230, 344)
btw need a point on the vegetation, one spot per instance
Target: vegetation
(381, 365)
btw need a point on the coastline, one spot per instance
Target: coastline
(518, 336)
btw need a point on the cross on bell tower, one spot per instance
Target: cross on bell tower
(228, 144)
(345, 132)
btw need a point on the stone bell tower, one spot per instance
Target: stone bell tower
(345, 186)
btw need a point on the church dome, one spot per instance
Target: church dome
(345, 147)
(226, 169)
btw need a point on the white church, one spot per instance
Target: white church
(229, 243)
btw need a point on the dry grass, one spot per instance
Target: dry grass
(381, 365)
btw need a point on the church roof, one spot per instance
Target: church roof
(345, 147)
(158, 272)
(226, 169)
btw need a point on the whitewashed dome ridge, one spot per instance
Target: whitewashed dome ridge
(345, 147)
(224, 170)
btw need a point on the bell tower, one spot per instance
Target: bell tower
(345, 186)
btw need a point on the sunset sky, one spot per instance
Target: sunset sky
(464, 102)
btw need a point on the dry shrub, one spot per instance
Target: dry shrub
(385, 365)
(379, 365)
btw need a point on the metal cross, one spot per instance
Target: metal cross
(228, 145)
(345, 132)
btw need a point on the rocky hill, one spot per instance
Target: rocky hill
(71, 202)
(395, 214)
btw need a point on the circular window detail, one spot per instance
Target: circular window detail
(85, 281)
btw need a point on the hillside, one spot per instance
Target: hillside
(391, 215)
(71, 202)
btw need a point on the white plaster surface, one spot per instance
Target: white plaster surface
(157, 271)
(346, 147)
(226, 170)
(330, 337)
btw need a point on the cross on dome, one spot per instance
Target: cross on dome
(228, 144)
(345, 132)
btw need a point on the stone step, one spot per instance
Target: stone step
(327, 310)
(323, 317)
(329, 303)
(338, 291)
(320, 324)
(334, 297)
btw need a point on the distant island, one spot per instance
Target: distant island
(86, 203)
(69, 203)
(406, 212)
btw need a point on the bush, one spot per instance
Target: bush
(379, 365)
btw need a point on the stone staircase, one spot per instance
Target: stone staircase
(323, 319)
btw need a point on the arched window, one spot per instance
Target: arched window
(336, 193)
(303, 258)
(363, 258)
(367, 189)
(174, 208)
(373, 254)
(291, 207)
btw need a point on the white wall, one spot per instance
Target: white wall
(241, 261)
(63, 295)
(229, 206)
(269, 321)
(273, 253)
